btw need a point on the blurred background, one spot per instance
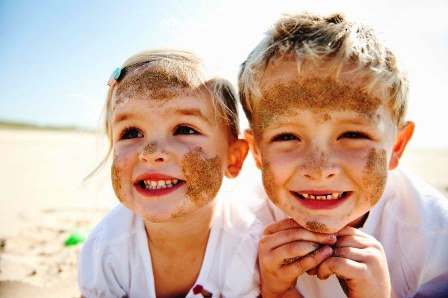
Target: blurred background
(56, 57)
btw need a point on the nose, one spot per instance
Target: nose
(318, 165)
(153, 152)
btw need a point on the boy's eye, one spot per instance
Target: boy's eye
(184, 130)
(285, 137)
(353, 135)
(131, 133)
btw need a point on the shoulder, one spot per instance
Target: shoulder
(104, 257)
(411, 222)
(416, 201)
(114, 258)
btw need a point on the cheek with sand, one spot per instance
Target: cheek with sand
(116, 179)
(203, 176)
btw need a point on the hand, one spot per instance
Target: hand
(286, 251)
(359, 260)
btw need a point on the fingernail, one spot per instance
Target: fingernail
(327, 251)
(332, 239)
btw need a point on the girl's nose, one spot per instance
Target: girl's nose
(153, 152)
(318, 165)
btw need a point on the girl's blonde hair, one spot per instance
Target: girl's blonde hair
(332, 46)
(173, 69)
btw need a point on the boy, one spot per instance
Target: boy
(326, 103)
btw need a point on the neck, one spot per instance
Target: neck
(182, 234)
(359, 222)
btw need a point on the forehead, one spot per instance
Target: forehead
(185, 101)
(154, 80)
(283, 88)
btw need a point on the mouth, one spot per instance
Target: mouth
(321, 199)
(158, 184)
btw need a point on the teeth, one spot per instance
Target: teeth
(159, 184)
(332, 196)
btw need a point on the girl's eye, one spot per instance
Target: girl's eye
(353, 135)
(184, 130)
(131, 133)
(285, 137)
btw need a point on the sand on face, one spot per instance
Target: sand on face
(43, 199)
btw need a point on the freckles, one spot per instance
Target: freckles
(203, 176)
(375, 174)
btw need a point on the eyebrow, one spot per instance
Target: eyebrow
(181, 112)
(124, 117)
(189, 112)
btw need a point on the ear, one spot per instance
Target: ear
(404, 136)
(250, 138)
(236, 156)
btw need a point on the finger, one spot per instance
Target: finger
(290, 252)
(312, 271)
(352, 253)
(284, 224)
(272, 241)
(354, 241)
(350, 231)
(342, 267)
(308, 262)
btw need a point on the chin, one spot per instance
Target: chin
(321, 226)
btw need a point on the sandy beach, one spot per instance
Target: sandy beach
(44, 199)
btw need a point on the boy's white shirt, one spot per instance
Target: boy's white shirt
(411, 222)
(115, 260)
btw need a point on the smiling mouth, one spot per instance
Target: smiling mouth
(322, 197)
(158, 184)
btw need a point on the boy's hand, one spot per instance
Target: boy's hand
(286, 251)
(359, 259)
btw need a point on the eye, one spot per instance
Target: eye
(285, 137)
(185, 130)
(353, 135)
(130, 133)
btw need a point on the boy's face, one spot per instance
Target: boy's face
(170, 153)
(323, 147)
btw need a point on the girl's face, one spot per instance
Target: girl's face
(170, 153)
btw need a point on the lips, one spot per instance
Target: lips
(321, 199)
(157, 184)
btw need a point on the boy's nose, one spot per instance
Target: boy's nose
(318, 165)
(153, 152)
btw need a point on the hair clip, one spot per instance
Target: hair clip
(114, 77)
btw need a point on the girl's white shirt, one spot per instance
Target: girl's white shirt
(115, 260)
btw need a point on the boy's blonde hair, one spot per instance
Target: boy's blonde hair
(333, 46)
(173, 70)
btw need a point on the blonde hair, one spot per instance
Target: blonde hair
(174, 69)
(333, 46)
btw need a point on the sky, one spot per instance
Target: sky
(56, 56)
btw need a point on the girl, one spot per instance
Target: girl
(174, 135)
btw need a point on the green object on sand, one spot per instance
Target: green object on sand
(76, 237)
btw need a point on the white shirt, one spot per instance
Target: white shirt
(115, 260)
(411, 222)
